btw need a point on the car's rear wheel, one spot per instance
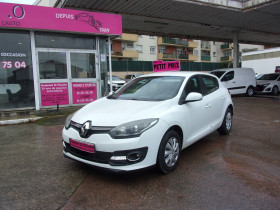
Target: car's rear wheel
(274, 90)
(169, 152)
(250, 91)
(227, 123)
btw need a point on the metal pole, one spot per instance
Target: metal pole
(235, 50)
(110, 64)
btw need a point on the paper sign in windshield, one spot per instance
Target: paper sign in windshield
(159, 66)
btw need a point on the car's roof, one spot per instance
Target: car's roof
(229, 69)
(174, 73)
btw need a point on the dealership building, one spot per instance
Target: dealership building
(51, 56)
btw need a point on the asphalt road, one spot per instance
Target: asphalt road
(239, 171)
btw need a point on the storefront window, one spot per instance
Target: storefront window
(52, 65)
(65, 41)
(16, 72)
(82, 65)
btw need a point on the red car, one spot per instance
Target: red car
(277, 69)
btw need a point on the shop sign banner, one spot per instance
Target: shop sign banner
(159, 66)
(83, 92)
(54, 93)
(56, 19)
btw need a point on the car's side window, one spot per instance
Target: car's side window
(193, 85)
(211, 83)
(228, 76)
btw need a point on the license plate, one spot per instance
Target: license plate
(86, 147)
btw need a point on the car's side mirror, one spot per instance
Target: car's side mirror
(192, 97)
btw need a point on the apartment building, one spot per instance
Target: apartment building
(150, 48)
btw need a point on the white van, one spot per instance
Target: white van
(237, 80)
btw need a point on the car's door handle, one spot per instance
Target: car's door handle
(223, 98)
(208, 106)
(233, 82)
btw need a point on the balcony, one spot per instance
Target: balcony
(226, 46)
(125, 54)
(206, 47)
(226, 59)
(193, 57)
(183, 57)
(165, 56)
(172, 42)
(205, 58)
(128, 38)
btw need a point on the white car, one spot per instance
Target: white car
(268, 83)
(148, 121)
(116, 82)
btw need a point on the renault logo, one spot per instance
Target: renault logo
(85, 128)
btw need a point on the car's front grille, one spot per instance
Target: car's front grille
(99, 157)
(93, 130)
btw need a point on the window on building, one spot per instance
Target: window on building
(162, 50)
(152, 49)
(214, 54)
(129, 45)
(195, 52)
(139, 48)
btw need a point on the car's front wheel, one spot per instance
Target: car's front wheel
(169, 152)
(250, 91)
(227, 123)
(274, 90)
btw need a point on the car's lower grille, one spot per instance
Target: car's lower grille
(260, 87)
(99, 157)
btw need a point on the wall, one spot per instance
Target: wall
(146, 42)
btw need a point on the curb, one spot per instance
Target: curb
(19, 121)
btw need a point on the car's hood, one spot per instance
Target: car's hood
(111, 112)
(261, 82)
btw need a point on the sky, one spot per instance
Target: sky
(19, 1)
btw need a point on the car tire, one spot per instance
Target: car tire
(250, 91)
(274, 90)
(169, 152)
(227, 123)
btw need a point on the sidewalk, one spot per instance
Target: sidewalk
(45, 116)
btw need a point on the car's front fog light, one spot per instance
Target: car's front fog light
(118, 158)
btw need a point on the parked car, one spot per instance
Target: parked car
(268, 83)
(237, 80)
(148, 121)
(116, 82)
(129, 77)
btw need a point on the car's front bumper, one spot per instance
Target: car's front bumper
(106, 147)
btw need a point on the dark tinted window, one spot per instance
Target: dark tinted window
(218, 73)
(211, 83)
(228, 76)
(268, 77)
(66, 41)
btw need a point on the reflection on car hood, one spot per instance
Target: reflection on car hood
(111, 112)
(261, 82)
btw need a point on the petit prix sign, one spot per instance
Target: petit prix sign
(160, 66)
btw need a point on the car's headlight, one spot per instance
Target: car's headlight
(132, 129)
(68, 120)
(265, 85)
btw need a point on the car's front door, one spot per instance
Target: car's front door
(196, 113)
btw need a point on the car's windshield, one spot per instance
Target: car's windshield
(150, 89)
(115, 78)
(268, 77)
(218, 73)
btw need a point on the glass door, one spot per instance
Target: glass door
(67, 77)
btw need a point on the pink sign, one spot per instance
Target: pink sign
(54, 93)
(48, 18)
(83, 92)
(166, 66)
